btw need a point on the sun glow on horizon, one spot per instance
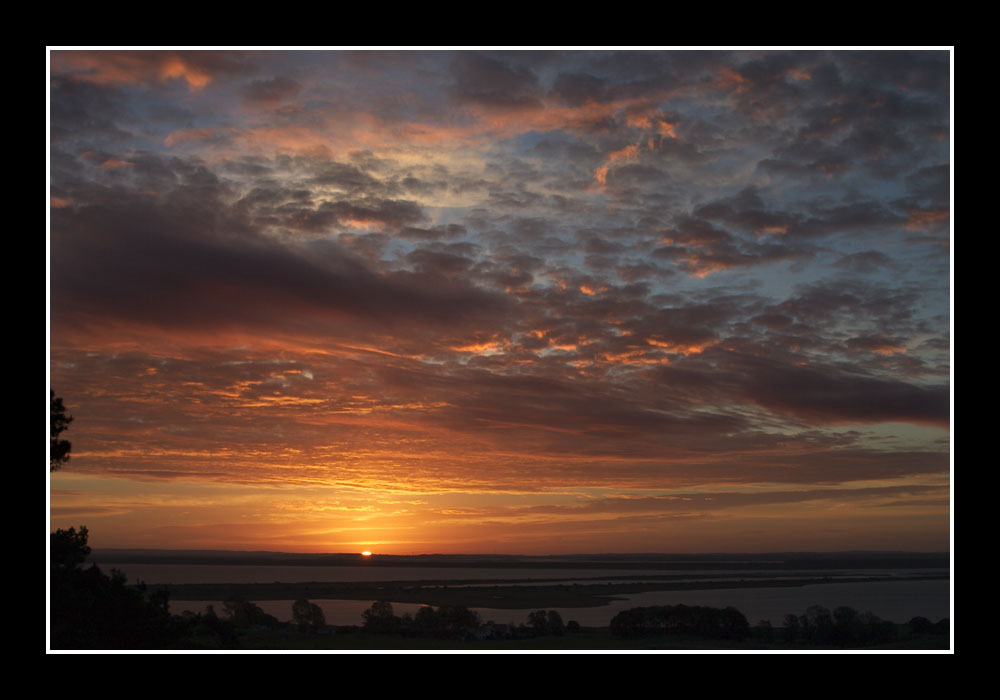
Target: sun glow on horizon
(533, 310)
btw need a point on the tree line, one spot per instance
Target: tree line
(696, 620)
(844, 627)
(458, 622)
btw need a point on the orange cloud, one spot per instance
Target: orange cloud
(554, 117)
(108, 67)
(481, 348)
(115, 164)
(653, 119)
(628, 153)
(176, 67)
(702, 267)
(667, 128)
(920, 218)
(640, 121)
(780, 230)
(634, 357)
(601, 175)
(335, 130)
(888, 349)
(680, 348)
(731, 81)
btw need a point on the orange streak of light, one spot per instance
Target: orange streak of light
(919, 218)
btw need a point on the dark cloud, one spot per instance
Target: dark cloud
(491, 82)
(746, 211)
(593, 243)
(249, 166)
(634, 174)
(347, 177)
(88, 114)
(920, 71)
(423, 187)
(878, 344)
(439, 262)
(450, 231)
(571, 151)
(161, 263)
(865, 263)
(851, 301)
(831, 164)
(833, 394)
(642, 74)
(297, 213)
(770, 85)
(508, 270)
(774, 321)
(931, 184)
(576, 89)
(198, 68)
(856, 218)
(390, 213)
(724, 255)
(270, 92)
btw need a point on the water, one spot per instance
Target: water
(898, 601)
(154, 574)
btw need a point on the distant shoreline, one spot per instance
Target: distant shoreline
(661, 562)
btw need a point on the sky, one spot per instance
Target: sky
(537, 302)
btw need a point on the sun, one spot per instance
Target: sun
(366, 553)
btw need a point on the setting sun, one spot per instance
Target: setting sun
(564, 331)
(538, 310)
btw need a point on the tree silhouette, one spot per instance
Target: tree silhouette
(91, 610)
(242, 613)
(68, 548)
(426, 620)
(58, 422)
(380, 618)
(308, 616)
(556, 625)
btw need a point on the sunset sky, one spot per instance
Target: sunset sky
(502, 301)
